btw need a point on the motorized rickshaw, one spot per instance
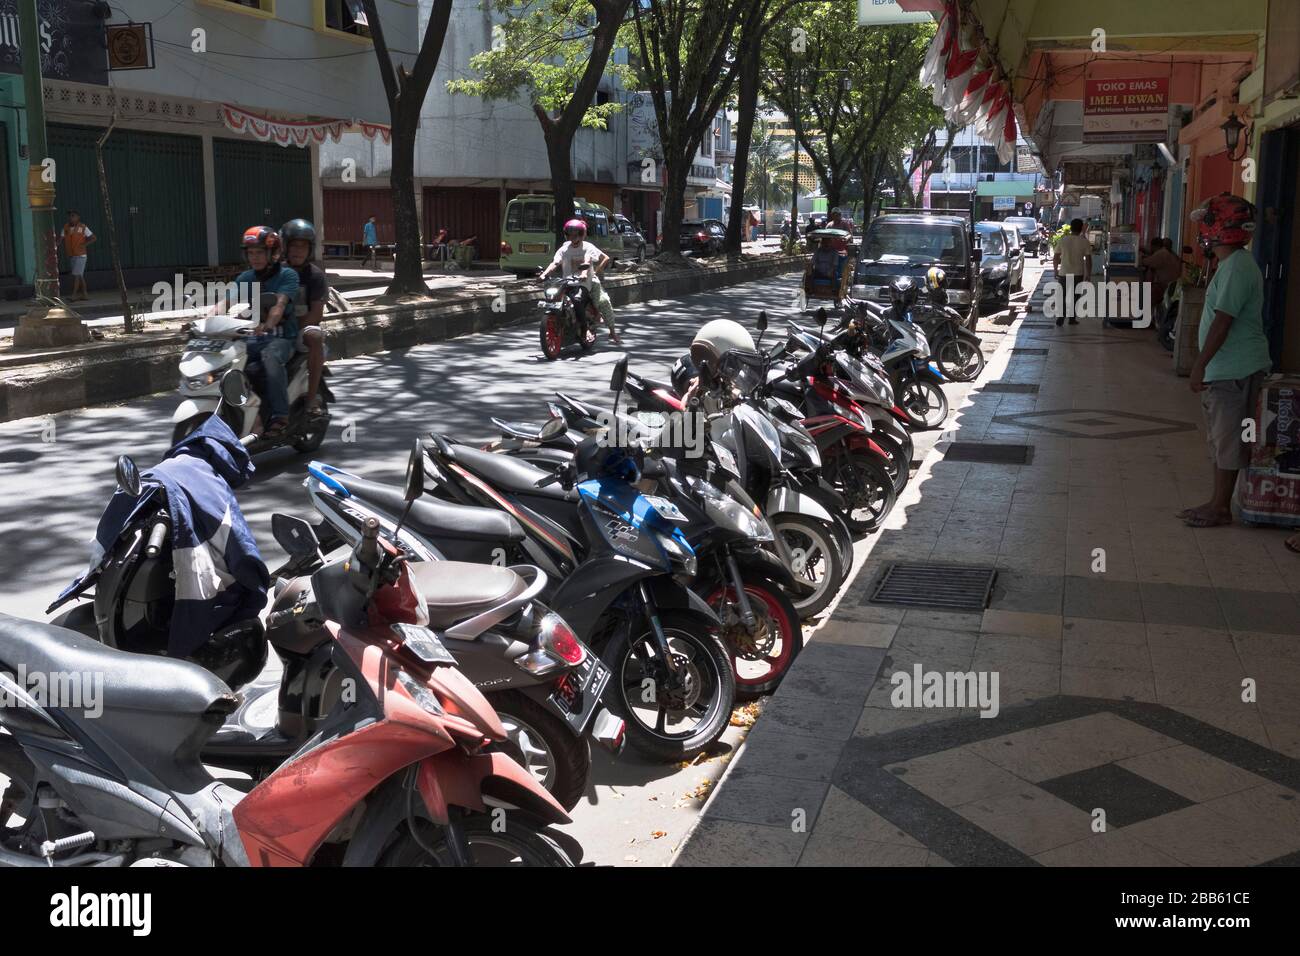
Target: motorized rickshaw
(830, 271)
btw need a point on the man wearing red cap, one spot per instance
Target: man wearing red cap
(1234, 349)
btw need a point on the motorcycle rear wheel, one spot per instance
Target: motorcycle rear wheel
(314, 429)
(924, 402)
(540, 742)
(520, 842)
(868, 488)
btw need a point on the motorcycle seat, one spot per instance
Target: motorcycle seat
(511, 474)
(151, 707)
(456, 590)
(437, 519)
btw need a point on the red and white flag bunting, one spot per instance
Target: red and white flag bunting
(296, 132)
(965, 88)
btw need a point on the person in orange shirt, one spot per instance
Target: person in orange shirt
(76, 237)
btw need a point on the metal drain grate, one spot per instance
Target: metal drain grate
(989, 453)
(1029, 351)
(951, 587)
(1010, 388)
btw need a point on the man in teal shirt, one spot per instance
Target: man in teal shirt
(1234, 354)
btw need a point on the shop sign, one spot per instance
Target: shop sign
(1134, 110)
(71, 40)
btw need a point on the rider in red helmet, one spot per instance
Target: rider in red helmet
(1234, 349)
(274, 340)
(577, 256)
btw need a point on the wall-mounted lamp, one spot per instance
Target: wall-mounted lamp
(1232, 135)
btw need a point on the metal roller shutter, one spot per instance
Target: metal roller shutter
(257, 184)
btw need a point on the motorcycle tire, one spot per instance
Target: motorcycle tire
(899, 462)
(771, 605)
(313, 435)
(866, 484)
(532, 730)
(960, 359)
(552, 338)
(624, 695)
(936, 410)
(520, 842)
(813, 545)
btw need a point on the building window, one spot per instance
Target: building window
(342, 16)
(254, 8)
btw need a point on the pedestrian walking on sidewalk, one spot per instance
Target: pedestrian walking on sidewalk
(1072, 257)
(76, 238)
(1234, 349)
(370, 239)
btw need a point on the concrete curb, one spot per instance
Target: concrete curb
(119, 371)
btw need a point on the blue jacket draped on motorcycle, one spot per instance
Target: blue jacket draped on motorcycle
(220, 575)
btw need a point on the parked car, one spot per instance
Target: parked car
(908, 242)
(1027, 226)
(704, 237)
(1015, 256)
(634, 241)
(528, 232)
(995, 267)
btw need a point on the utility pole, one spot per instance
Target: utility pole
(794, 180)
(47, 322)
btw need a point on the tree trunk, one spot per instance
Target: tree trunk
(748, 107)
(557, 154)
(408, 269)
(673, 210)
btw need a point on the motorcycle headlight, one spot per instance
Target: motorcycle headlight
(203, 381)
(679, 553)
(750, 524)
(998, 270)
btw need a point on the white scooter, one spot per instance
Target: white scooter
(217, 344)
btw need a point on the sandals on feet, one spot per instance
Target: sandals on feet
(1293, 544)
(276, 429)
(1205, 519)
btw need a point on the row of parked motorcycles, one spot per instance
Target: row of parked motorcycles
(451, 648)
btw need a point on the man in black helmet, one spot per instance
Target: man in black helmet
(299, 238)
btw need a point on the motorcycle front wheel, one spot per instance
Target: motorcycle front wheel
(552, 337)
(867, 487)
(670, 715)
(759, 660)
(923, 401)
(817, 561)
(960, 359)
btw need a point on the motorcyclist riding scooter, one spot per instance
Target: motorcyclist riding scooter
(579, 256)
(299, 239)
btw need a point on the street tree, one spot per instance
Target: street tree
(840, 83)
(405, 90)
(552, 54)
(687, 63)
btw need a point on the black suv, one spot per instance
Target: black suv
(907, 242)
(704, 237)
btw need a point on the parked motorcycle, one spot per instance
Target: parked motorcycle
(217, 344)
(396, 775)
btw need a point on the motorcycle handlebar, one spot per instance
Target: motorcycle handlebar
(156, 538)
(368, 551)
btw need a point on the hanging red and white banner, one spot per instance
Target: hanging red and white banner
(296, 132)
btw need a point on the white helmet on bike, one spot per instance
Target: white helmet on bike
(715, 339)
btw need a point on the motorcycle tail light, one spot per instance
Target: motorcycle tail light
(701, 236)
(559, 639)
(505, 248)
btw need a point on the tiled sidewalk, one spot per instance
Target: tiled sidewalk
(1123, 737)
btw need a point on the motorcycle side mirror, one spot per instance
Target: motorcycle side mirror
(976, 255)
(128, 476)
(762, 321)
(414, 486)
(234, 388)
(295, 535)
(619, 378)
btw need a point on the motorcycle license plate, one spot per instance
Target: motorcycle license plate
(666, 509)
(577, 694)
(206, 345)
